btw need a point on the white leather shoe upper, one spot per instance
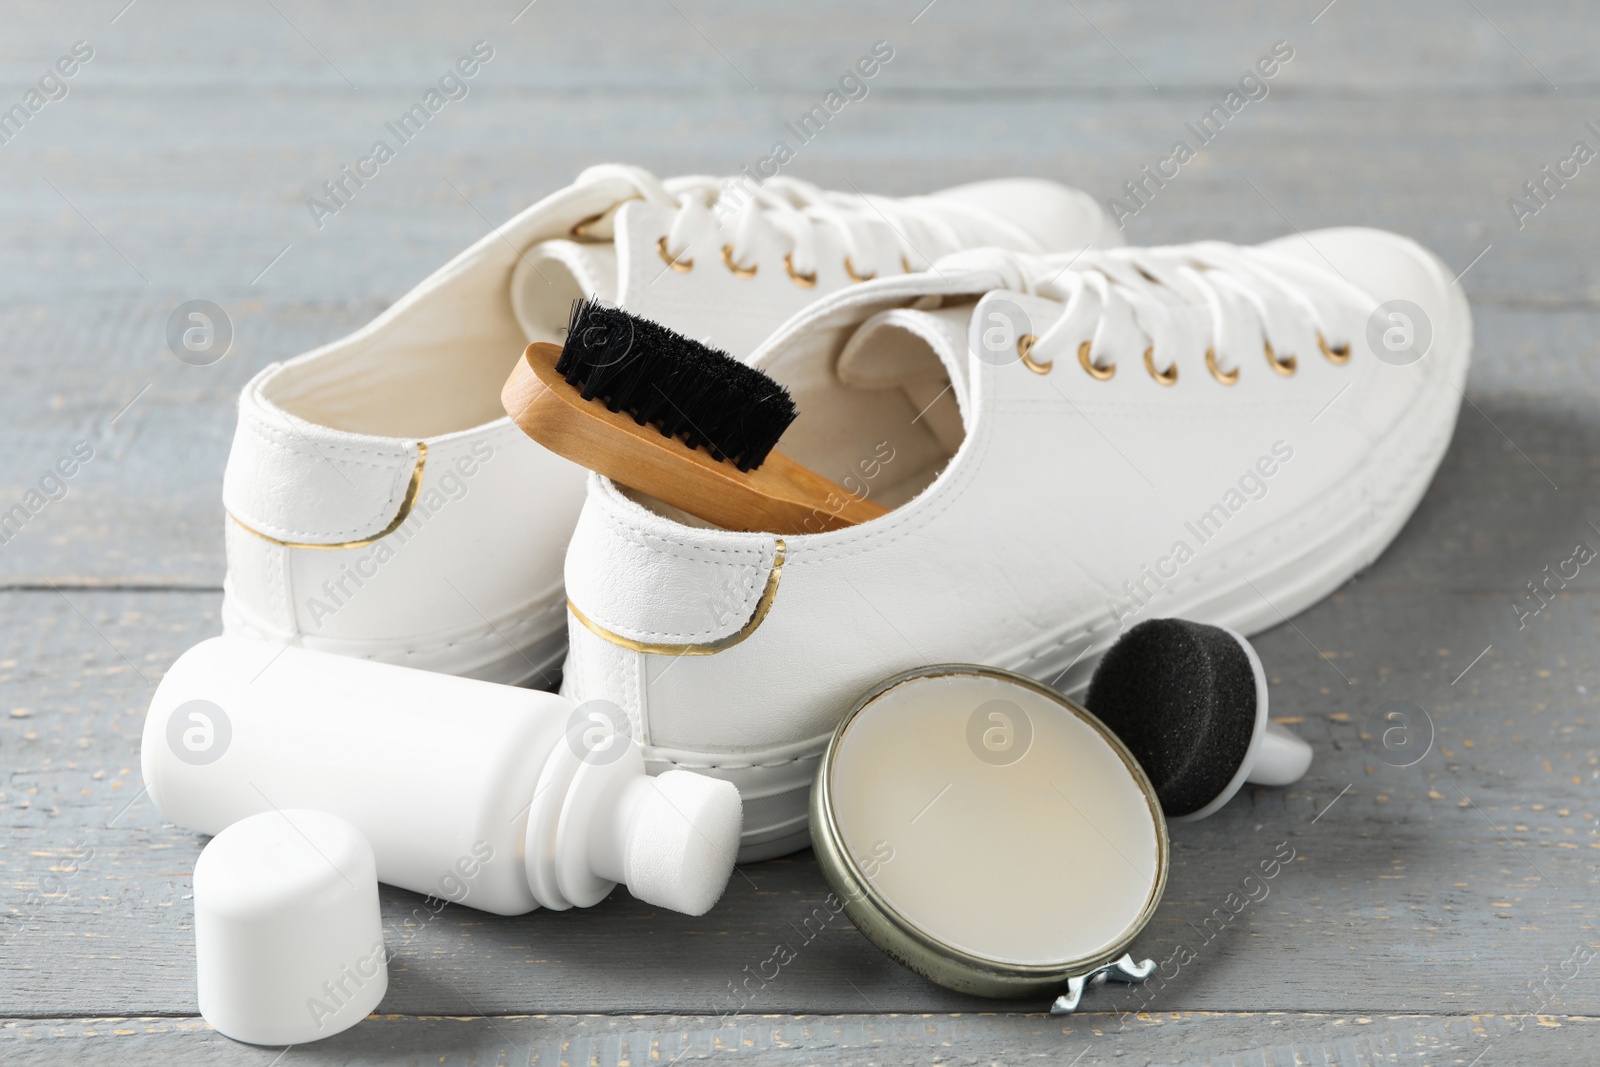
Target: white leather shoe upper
(379, 502)
(1069, 445)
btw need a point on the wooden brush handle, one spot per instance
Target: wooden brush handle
(780, 496)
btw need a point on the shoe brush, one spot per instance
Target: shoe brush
(1190, 702)
(678, 420)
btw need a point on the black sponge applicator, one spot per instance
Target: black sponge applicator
(1189, 701)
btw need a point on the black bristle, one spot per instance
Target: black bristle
(684, 388)
(1182, 696)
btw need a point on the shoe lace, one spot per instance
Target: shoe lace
(879, 234)
(1220, 302)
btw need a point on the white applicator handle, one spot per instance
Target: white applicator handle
(1276, 756)
(1281, 757)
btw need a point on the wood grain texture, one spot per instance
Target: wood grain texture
(203, 207)
(1174, 1039)
(613, 46)
(1429, 908)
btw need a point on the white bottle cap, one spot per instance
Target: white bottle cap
(288, 938)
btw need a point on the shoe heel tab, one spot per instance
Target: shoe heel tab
(305, 486)
(642, 582)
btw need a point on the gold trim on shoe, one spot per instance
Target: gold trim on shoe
(405, 513)
(763, 606)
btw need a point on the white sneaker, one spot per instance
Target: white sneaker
(1219, 433)
(380, 503)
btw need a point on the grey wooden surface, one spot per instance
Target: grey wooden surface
(1427, 903)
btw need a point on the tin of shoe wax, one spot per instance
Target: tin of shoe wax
(987, 832)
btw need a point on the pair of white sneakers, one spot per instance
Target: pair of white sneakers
(1070, 437)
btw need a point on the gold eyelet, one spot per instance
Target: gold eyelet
(805, 281)
(1102, 374)
(905, 265)
(1025, 345)
(849, 268)
(682, 266)
(738, 271)
(1337, 356)
(1166, 377)
(580, 229)
(1216, 371)
(1285, 366)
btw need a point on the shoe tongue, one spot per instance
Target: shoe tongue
(551, 274)
(923, 352)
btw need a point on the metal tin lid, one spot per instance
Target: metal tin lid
(987, 832)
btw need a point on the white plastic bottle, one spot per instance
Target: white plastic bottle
(496, 797)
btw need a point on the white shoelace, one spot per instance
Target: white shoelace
(1225, 304)
(880, 235)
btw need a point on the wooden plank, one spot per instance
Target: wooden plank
(202, 203)
(1177, 1039)
(1091, 46)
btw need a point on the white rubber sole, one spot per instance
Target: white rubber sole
(525, 648)
(1342, 534)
